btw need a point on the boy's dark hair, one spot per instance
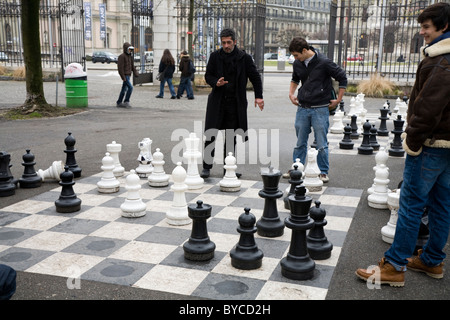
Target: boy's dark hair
(438, 13)
(298, 44)
(227, 32)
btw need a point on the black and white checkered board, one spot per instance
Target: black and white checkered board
(97, 243)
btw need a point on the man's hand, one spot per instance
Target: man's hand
(293, 99)
(333, 104)
(260, 103)
(221, 82)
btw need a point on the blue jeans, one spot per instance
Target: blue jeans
(171, 88)
(426, 182)
(185, 83)
(127, 88)
(318, 119)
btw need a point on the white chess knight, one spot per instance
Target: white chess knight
(108, 182)
(178, 212)
(145, 158)
(192, 155)
(158, 177)
(230, 182)
(114, 149)
(312, 181)
(53, 172)
(133, 206)
(388, 231)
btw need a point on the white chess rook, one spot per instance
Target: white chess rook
(53, 172)
(114, 150)
(133, 206)
(108, 182)
(192, 155)
(158, 177)
(178, 212)
(230, 182)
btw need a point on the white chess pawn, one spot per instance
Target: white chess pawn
(178, 212)
(114, 150)
(388, 231)
(230, 182)
(338, 125)
(53, 172)
(133, 206)
(380, 159)
(158, 177)
(192, 155)
(145, 158)
(378, 198)
(108, 183)
(312, 181)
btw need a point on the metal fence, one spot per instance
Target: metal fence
(61, 27)
(381, 37)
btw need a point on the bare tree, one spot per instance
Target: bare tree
(284, 36)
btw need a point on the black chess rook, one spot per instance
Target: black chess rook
(199, 247)
(319, 248)
(68, 201)
(246, 255)
(30, 178)
(70, 151)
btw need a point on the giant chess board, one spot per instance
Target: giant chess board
(98, 243)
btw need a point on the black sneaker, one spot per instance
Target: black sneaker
(205, 173)
(172, 97)
(158, 96)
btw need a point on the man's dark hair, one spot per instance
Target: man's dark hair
(298, 44)
(438, 13)
(227, 32)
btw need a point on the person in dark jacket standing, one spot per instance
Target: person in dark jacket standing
(185, 67)
(167, 66)
(314, 99)
(426, 177)
(125, 67)
(227, 72)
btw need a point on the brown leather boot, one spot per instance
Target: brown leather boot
(414, 263)
(384, 273)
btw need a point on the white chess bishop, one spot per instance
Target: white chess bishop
(133, 206)
(114, 150)
(158, 177)
(53, 172)
(230, 182)
(108, 182)
(178, 212)
(192, 155)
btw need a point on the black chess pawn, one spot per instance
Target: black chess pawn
(68, 201)
(365, 147)
(354, 135)
(373, 138)
(270, 225)
(30, 178)
(246, 255)
(382, 130)
(319, 248)
(298, 265)
(396, 149)
(199, 247)
(70, 155)
(341, 107)
(294, 180)
(346, 142)
(7, 182)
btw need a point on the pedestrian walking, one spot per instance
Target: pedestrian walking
(166, 68)
(125, 67)
(187, 69)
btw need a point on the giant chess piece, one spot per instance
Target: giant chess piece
(108, 182)
(338, 125)
(70, 155)
(312, 171)
(346, 142)
(379, 197)
(7, 185)
(396, 149)
(319, 248)
(270, 225)
(381, 159)
(373, 138)
(192, 155)
(354, 125)
(114, 150)
(382, 130)
(178, 211)
(246, 255)
(30, 179)
(68, 201)
(230, 182)
(145, 158)
(133, 206)
(365, 147)
(158, 177)
(199, 247)
(53, 172)
(298, 265)
(295, 180)
(388, 231)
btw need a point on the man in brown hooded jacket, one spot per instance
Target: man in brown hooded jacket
(125, 67)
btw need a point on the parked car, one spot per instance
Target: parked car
(355, 57)
(104, 56)
(3, 56)
(271, 56)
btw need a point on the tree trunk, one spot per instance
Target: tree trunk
(35, 99)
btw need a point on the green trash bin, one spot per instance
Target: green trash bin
(76, 86)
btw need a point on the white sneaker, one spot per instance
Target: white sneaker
(324, 177)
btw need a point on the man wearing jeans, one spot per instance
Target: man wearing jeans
(314, 99)
(125, 67)
(426, 177)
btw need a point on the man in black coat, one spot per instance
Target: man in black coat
(227, 72)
